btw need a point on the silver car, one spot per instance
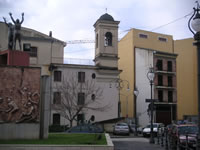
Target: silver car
(132, 129)
(121, 128)
(157, 127)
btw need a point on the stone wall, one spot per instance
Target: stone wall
(19, 131)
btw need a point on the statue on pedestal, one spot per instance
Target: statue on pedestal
(10, 34)
(17, 35)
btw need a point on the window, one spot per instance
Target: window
(80, 118)
(162, 39)
(56, 119)
(159, 64)
(93, 97)
(108, 39)
(56, 98)
(93, 76)
(170, 96)
(143, 36)
(57, 75)
(97, 38)
(160, 80)
(169, 66)
(32, 51)
(160, 95)
(81, 98)
(81, 77)
(170, 81)
(26, 47)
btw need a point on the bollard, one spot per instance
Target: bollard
(170, 141)
(162, 134)
(197, 142)
(158, 136)
(187, 147)
(178, 144)
(174, 142)
(166, 139)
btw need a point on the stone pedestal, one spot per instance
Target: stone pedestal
(14, 58)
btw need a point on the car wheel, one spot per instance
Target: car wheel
(144, 135)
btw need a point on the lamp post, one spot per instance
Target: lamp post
(194, 22)
(136, 92)
(150, 76)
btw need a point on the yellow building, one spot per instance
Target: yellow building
(184, 75)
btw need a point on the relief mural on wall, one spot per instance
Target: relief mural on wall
(19, 94)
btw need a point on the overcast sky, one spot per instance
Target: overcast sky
(74, 19)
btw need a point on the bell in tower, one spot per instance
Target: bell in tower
(106, 42)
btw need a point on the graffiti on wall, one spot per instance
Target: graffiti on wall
(19, 94)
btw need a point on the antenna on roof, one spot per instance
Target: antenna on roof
(106, 10)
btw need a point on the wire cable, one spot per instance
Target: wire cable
(171, 22)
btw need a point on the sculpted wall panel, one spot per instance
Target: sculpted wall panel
(19, 94)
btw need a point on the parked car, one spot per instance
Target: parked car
(180, 131)
(121, 128)
(169, 128)
(156, 128)
(132, 128)
(85, 128)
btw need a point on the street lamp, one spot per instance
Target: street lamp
(194, 22)
(136, 92)
(150, 76)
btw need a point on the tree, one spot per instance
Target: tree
(74, 97)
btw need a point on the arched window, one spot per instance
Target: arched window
(108, 39)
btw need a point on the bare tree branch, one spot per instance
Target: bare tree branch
(70, 107)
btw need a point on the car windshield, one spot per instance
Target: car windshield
(187, 129)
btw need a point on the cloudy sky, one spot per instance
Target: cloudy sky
(73, 19)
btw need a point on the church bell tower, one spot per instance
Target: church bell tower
(106, 42)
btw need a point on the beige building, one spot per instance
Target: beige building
(96, 88)
(104, 74)
(42, 49)
(138, 50)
